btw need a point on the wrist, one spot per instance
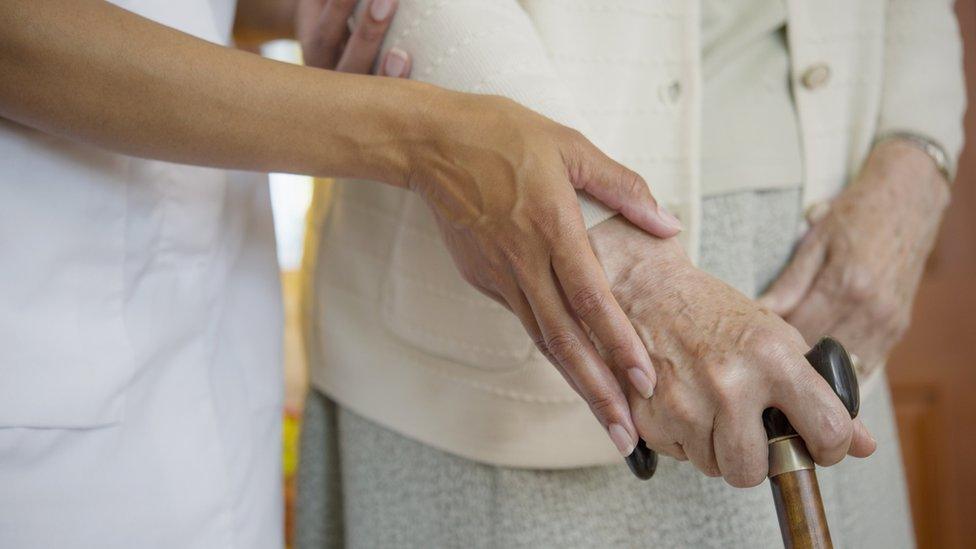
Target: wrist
(904, 165)
(435, 121)
(396, 127)
(629, 254)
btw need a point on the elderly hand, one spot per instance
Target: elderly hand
(855, 274)
(721, 360)
(321, 26)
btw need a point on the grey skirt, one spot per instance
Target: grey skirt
(361, 485)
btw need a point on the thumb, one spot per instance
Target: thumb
(794, 282)
(862, 443)
(623, 190)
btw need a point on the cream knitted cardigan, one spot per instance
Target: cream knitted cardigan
(398, 337)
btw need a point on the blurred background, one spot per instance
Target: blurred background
(932, 372)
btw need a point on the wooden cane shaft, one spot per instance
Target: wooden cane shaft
(800, 510)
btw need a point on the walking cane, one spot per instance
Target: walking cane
(792, 477)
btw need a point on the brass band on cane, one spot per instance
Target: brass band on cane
(788, 454)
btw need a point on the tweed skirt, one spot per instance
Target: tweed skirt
(363, 486)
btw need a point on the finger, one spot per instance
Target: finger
(396, 64)
(862, 443)
(519, 304)
(330, 35)
(363, 46)
(818, 314)
(788, 290)
(740, 447)
(569, 347)
(650, 427)
(815, 412)
(670, 449)
(701, 453)
(588, 293)
(622, 190)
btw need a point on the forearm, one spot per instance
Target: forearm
(90, 71)
(259, 21)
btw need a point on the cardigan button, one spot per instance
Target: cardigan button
(816, 76)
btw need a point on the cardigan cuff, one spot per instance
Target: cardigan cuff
(594, 212)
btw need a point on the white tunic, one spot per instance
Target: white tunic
(140, 388)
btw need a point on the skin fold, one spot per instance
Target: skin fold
(500, 179)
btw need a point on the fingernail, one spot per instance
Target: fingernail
(641, 381)
(621, 439)
(379, 10)
(669, 218)
(396, 62)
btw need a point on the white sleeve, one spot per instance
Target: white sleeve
(923, 89)
(487, 47)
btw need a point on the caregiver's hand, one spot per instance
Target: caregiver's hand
(720, 360)
(855, 273)
(321, 27)
(502, 185)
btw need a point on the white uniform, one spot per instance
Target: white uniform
(140, 388)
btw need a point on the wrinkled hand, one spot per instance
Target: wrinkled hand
(501, 184)
(855, 274)
(720, 360)
(321, 27)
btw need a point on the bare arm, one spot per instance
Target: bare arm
(93, 72)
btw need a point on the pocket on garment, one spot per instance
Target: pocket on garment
(426, 304)
(65, 360)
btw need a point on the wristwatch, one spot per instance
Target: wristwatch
(932, 148)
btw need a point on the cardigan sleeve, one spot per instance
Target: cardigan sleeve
(487, 47)
(923, 90)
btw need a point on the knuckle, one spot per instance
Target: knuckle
(540, 344)
(859, 284)
(682, 413)
(371, 31)
(727, 397)
(601, 403)
(572, 136)
(778, 358)
(622, 355)
(772, 347)
(564, 347)
(886, 309)
(561, 221)
(513, 253)
(634, 185)
(835, 430)
(588, 301)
